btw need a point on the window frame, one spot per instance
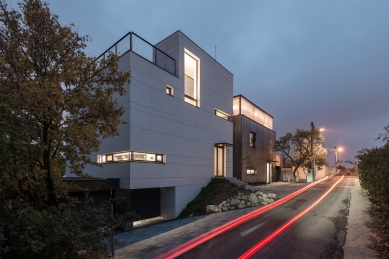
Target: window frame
(187, 98)
(221, 114)
(169, 90)
(250, 171)
(252, 140)
(102, 158)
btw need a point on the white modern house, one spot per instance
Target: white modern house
(177, 135)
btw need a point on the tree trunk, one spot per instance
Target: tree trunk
(294, 173)
(51, 197)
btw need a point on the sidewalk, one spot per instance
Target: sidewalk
(150, 241)
(359, 236)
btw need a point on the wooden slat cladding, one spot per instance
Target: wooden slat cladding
(260, 155)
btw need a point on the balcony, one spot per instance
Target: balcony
(132, 42)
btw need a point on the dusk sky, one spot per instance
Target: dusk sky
(300, 61)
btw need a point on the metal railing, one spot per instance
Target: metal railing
(133, 42)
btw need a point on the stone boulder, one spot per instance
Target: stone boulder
(212, 208)
(272, 196)
(234, 202)
(253, 198)
(241, 206)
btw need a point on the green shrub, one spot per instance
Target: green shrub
(373, 171)
(57, 232)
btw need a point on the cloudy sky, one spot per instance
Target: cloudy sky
(301, 60)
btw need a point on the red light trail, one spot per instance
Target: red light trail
(183, 248)
(261, 244)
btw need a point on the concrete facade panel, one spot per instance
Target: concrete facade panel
(165, 182)
(145, 170)
(165, 126)
(172, 170)
(140, 183)
(140, 64)
(140, 93)
(140, 119)
(145, 140)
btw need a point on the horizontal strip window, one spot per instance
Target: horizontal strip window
(251, 171)
(128, 156)
(221, 114)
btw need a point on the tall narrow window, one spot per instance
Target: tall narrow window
(253, 139)
(191, 79)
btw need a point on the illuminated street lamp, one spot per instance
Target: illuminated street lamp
(336, 157)
(313, 165)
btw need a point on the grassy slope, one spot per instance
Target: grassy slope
(214, 193)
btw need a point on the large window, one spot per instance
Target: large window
(192, 77)
(131, 156)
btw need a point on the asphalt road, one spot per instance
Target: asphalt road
(320, 233)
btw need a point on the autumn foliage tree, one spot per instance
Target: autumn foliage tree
(55, 104)
(296, 149)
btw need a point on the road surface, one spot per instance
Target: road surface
(320, 233)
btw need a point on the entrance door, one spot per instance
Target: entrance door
(220, 161)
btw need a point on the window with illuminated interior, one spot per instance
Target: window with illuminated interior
(221, 114)
(250, 171)
(192, 76)
(253, 139)
(169, 90)
(127, 156)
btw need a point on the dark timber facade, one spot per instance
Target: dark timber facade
(253, 140)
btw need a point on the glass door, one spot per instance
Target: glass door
(220, 161)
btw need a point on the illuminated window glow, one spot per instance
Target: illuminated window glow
(191, 80)
(221, 114)
(243, 106)
(121, 156)
(253, 139)
(131, 156)
(250, 171)
(169, 90)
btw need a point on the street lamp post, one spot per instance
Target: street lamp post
(313, 157)
(336, 158)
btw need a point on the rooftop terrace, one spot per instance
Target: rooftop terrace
(133, 42)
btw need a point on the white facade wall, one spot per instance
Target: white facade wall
(160, 123)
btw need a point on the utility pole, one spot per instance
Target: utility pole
(313, 166)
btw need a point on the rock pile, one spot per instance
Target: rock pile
(243, 201)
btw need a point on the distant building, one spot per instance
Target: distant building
(177, 135)
(253, 140)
